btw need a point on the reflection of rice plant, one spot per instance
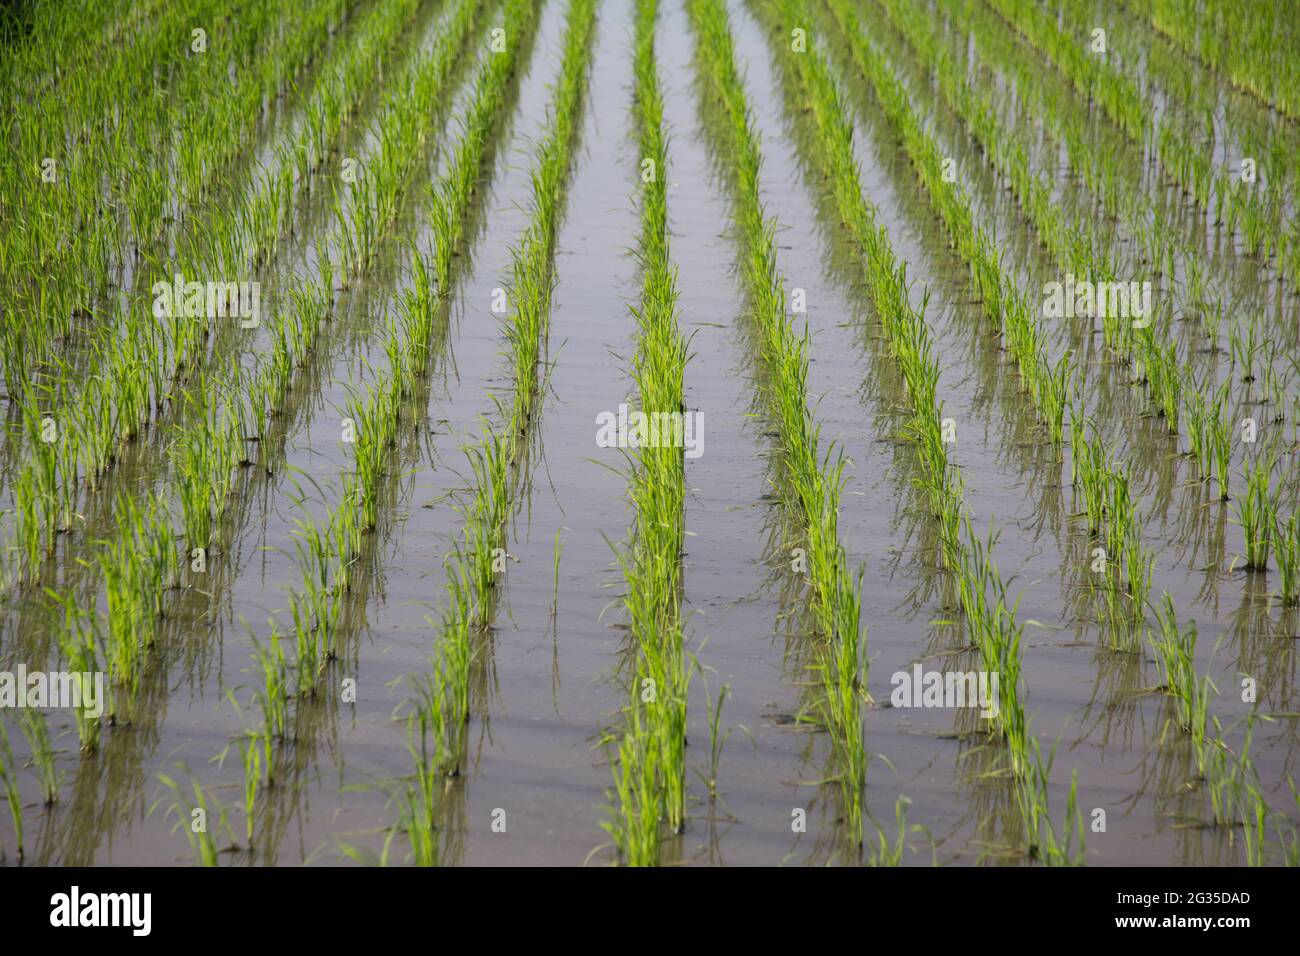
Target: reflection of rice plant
(9, 781)
(42, 754)
(1175, 649)
(77, 635)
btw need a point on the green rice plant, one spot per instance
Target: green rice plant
(1220, 440)
(193, 809)
(812, 480)
(1045, 844)
(1291, 840)
(634, 825)
(1286, 549)
(717, 737)
(1232, 783)
(1257, 511)
(418, 802)
(891, 854)
(1244, 346)
(138, 566)
(557, 548)
(272, 696)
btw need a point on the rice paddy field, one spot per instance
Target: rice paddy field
(650, 432)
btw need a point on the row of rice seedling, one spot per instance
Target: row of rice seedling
(1228, 778)
(326, 552)
(1076, 248)
(40, 757)
(1250, 43)
(1110, 511)
(441, 708)
(1127, 574)
(76, 424)
(335, 98)
(1132, 112)
(1099, 167)
(405, 123)
(1260, 210)
(1170, 385)
(650, 767)
(209, 127)
(1167, 380)
(989, 612)
(811, 480)
(1192, 94)
(1006, 303)
(92, 436)
(207, 449)
(1103, 482)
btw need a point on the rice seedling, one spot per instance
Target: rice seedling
(79, 642)
(250, 749)
(417, 803)
(651, 775)
(1257, 511)
(891, 854)
(1285, 539)
(812, 479)
(198, 814)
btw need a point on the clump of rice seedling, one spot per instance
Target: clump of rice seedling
(891, 854)
(1257, 512)
(194, 809)
(1286, 548)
